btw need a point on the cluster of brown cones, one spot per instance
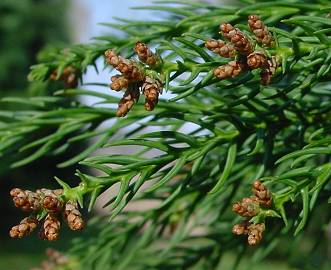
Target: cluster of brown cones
(69, 77)
(48, 202)
(134, 79)
(55, 259)
(250, 207)
(240, 45)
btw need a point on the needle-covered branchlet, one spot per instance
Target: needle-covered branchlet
(145, 55)
(221, 48)
(240, 42)
(119, 82)
(73, 216)
(130, 97)
(257, 60)
(261, 32)
(51, 228)
(130, 69)
(69, 76)
(26, 199)
(151, 89)
(25, 228)
(229, 70)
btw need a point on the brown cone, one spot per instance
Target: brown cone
(261, 32)
(112, 58)
(130, 97)
(129, 68)
(69, 76)
(26, 226)
(241, 228)
(257, 60)
(221, 48)
(26, 199)
(119, 82)
(151, 89)
(229, 70)
(269, 72)
(52, 204)
(73, 216)
(255, 232)
(146, 55)
(262, 194)
(51, 228)
(237, 38)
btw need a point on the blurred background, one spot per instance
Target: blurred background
(26, 26)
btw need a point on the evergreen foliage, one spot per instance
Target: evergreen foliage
(200, 151)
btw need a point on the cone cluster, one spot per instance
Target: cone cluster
(239, 46)
(134, 79)
(250, 207)
(55, 260)
(69, 76)
(45, 202)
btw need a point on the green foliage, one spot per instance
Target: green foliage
(238, 131)
(25, 28)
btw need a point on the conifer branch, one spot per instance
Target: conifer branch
(263, 114)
